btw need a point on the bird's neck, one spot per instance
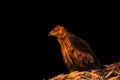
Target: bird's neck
(65, 44)
(64, 41)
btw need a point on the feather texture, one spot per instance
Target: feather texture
(77, 54)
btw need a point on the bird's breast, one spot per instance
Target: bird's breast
(65, 51)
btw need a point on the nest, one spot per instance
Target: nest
(110, 72)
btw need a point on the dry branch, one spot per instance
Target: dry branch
(111, 72)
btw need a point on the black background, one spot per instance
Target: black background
(25, 46)
(100, 30)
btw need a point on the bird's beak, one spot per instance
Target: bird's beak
(50, 33)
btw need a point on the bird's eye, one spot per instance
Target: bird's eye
(57, 29)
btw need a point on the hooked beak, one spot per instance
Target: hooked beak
(50, 34)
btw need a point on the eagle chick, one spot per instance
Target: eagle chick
(77, 54)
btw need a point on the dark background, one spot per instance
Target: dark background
(24, 41)
(101, 31)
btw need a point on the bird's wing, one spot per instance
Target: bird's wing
(80, 44)
(83, 51)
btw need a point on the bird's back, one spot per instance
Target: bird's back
(78, 55)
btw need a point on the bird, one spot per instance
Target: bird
(76, 52)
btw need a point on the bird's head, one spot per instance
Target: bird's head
(58, 31)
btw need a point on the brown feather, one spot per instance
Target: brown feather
(77, 54)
